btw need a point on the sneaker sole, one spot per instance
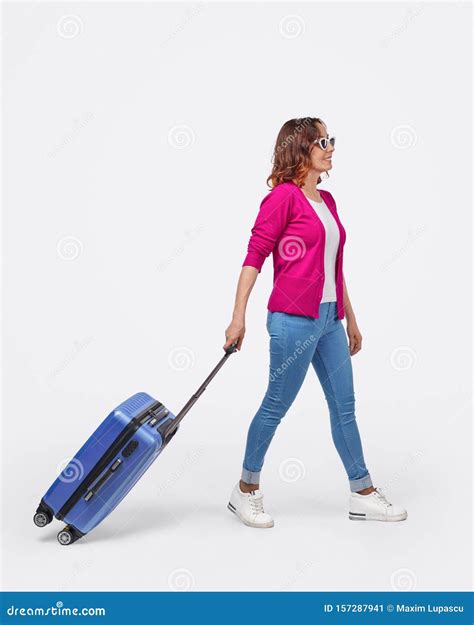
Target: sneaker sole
(249, 523)
(358, 516)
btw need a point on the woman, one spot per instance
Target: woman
(299, 223)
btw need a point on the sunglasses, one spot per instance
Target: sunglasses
(323, 142)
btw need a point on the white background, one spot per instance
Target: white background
(137, 142)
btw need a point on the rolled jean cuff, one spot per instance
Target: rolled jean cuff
(361, 483)
(250, 477)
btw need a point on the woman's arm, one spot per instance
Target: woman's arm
(348, 312)
(272, 218)
(353, 333)
(236, 329)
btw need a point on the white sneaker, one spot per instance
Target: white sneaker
(249, 507)
(374, 507)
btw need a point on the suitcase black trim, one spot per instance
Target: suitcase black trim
(43, 507)
(125, 435)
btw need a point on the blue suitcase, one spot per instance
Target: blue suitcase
(111, 461)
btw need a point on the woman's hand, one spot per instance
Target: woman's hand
(355, 337)
(235, 332)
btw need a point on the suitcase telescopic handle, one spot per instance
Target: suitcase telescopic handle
(173, 423)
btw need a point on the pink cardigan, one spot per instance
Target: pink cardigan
(288, 226)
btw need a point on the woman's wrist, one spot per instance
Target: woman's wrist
(238, 315)
(350, 317)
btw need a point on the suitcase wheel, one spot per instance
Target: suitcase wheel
(42, 518)
(67, 535)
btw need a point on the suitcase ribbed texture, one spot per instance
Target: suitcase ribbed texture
(131, 406)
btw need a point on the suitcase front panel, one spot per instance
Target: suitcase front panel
(83, 462)
(121, 474)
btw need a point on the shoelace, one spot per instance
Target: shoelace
(256, 503)
(381, 497)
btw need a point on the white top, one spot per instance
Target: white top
(330, 250)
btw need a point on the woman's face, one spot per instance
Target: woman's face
(321, 159)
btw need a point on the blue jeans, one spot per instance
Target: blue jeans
(295, 342)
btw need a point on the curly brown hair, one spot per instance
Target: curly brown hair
(291, 156)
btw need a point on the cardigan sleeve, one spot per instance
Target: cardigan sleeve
(271, 221)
